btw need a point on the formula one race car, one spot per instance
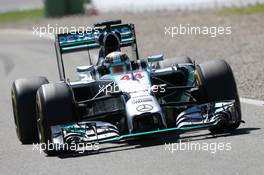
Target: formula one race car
(120, 97)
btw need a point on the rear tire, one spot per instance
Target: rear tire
(23, 95)
(55, 105)
(217, 83)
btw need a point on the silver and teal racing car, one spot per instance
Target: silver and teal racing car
(150, 96)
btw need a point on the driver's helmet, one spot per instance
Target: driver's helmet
(117, 62)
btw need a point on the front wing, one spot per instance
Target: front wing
(196, 117)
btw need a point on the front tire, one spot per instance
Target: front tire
(217, 83)
(55, 106)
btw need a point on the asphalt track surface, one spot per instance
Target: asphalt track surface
(22, 55)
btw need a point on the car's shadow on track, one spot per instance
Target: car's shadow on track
(151, 141)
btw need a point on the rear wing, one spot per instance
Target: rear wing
(87, 40)
(71, 42)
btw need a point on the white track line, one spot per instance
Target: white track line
(47, 36)
(252, 101)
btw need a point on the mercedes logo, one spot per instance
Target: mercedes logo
(144, 108)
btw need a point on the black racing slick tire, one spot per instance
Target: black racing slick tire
(23, 95)
(217, 83)
(55, 106)
(173, 61)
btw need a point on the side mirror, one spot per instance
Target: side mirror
(152, 59)
(84, 72)
(155, 58)
(81, 69)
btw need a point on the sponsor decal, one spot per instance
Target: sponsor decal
(136, 75)
(144, 108)
(142, 100)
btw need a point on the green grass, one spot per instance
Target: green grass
(15, 16)
(258, 8)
